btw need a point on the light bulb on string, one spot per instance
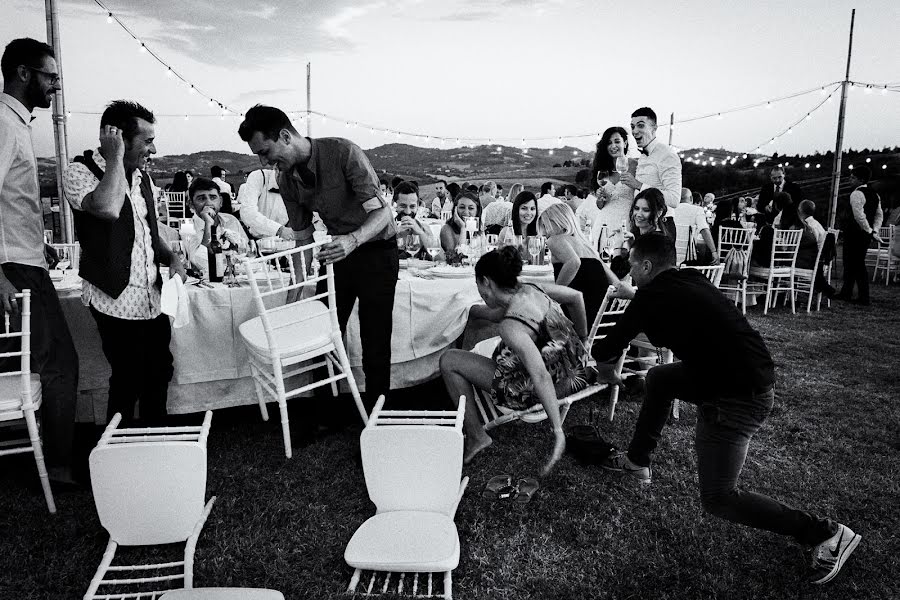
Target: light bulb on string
(822, 91)
(818, 165)
(324, 119)
(559, 141)
(191, 90)
(143, 48)
(808, 116)
(109, 18)
(169, 72)
(551, 152)
(372, 130)
(68, 114)
(574, 152)
(768, 104)
(806, 166)
(457, 142)
(210, 102)
(790, 131)
(868, 89)
(883, 167)
(884, 91)
(868, 160)
(186, 117)
(499, 149)
(744, 156)
(719, 117)
(850, 167)
(347, 124)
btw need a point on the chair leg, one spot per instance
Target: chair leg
(791, 292)
(260, 393)
(354, 581)
(38, 449)
(448, 585)
(334, 389)
(107, 559)
(613, 399)
(282, 407)
(351, 381)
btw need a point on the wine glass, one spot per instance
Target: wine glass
(535, 245)
(413, 244)
(401, 243)
(471, 225)
(65, 259)
(433, 252)
(621, 165)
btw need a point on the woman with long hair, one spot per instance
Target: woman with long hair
(465, 204)
(613, 198)
(524, 217)
(575, 263)
(541, 356)
(648, 215)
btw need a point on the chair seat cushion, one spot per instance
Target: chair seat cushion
(223, 594)
(764, 272)
(296, 329)
(11, 395)
(405, 541)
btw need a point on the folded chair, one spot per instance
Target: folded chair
(412, 461)
(287, 340)
(20, 395)
(149, 487)
(779, 276)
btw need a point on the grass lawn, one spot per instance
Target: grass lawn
(832, 445)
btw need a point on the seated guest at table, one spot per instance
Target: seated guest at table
(453, 190)
(120, 256)
(575, 263)
(648, 215)
(687, 214)
(790, 219)
(541, 356)
(488, 194)
(496, 216)
(548, 195)
(442, 200)
(524, 218)
(727, 371)
(262, 207)
(406, 199)
(807, 210)
(724, 218)
(453, 233)
(207, 202)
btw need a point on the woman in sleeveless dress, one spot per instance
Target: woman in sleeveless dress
(575, 263)
(540, 358)
(614, 198)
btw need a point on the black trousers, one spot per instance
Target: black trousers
(369, 275)
(52, 356)
(138, 354)
(856, 244)
(725, 426)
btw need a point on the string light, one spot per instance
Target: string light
(109, 18)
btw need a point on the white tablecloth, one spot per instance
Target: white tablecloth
(211, 366)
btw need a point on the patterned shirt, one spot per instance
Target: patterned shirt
(141, 299)
(21, 214)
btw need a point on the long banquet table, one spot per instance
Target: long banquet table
(211, 365)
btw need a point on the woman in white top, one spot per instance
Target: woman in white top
(453, 233)
(614, 199)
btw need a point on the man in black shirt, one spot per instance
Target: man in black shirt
(726, 370)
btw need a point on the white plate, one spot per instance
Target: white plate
(449, 272)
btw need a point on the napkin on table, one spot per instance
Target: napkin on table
(174, 301)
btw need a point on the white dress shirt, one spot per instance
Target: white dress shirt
(545, 201)
(816, 229)
(21, 213)
(224, 186)
(262, 208)
(228, 229)
(140, 300)
(857, 204)
(660, 168)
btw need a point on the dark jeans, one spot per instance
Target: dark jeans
(52, 356)
(370, 275)
(138, 354)
(856, 244)
(725, 426)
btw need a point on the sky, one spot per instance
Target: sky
(490, 69)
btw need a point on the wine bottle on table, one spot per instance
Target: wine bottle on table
(603, 243)
(216, 257)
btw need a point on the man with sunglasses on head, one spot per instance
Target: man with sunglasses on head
(31, 80)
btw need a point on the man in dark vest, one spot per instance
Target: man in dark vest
(115, 219)
(859, 231)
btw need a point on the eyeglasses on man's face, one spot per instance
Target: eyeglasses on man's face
(53, 77)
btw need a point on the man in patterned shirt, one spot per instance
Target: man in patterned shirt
(115, 217)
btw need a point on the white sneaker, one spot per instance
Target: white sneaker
(829, 556)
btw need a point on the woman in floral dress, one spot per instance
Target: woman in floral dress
(540, 358)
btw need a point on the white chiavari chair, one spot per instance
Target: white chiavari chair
(886, 260)
(20, 393)
(149, 488)
(292, 339)
(176, 203)
(738, 242)
(711, 272)
(412, 462)
(779, 276)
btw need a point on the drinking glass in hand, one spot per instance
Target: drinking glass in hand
(621, 165)
(65, 260)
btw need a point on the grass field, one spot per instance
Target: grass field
(832, 445)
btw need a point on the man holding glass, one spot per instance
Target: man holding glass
(406, 199)
(658, 167)
(333, 177)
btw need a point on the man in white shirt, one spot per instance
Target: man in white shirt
(658, 167)
(262, 208)
(687, 214)
(547, 197)
(207, 204)
(807, 210)
(31, 80)
(218, 174)
(442, 200)
(571, 197)
(859, 232)
(488, 194)
(114, 209)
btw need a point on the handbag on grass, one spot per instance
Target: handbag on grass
(586, 444)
